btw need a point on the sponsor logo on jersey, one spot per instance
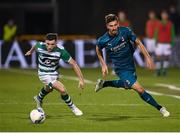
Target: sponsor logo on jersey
(118, 47)
(109, 44)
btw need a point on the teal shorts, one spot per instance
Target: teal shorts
(128, 77)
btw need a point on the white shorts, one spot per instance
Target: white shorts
(47, 79)
(163, 49)
(150, 44)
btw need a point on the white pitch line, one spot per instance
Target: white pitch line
(155, 93)
(60, 76)
(169, 86)
(162, 94)
(87, 104)
(91, 82)
(76, 79)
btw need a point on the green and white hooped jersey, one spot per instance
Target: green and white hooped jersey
(48, 62)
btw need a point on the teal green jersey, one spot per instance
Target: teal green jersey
(48, 62)
(120, 49)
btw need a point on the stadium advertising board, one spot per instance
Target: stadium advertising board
(83, 51)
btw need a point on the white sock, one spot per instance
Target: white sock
(165, 64)
(158, 65)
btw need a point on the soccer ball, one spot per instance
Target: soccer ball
(37, 116)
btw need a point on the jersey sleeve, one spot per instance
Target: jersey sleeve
(100, 44)
(65, 56)
(131, 35)
(38, 45)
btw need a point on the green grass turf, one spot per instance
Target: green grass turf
(108, 110)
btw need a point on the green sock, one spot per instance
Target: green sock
(67, 100)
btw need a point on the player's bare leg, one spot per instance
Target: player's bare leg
(39, 98)
(149, 99)
(67, 99)
(159, 60)
(165, 65)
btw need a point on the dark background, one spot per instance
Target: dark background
(75, 17)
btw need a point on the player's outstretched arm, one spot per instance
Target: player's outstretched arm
(102, 62)
(30, 51)
(149, 61)
(78, 72)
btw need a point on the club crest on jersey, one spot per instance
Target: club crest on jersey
(47, 61)
(122, 39)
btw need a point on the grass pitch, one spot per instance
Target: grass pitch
(108, 110)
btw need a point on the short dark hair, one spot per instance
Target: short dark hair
(52, 36)
(110, 18)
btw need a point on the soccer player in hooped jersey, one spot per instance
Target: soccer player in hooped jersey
(49, 55)
(119, 43)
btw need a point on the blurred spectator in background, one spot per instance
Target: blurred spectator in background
(174, 17)
(123, 21)
(150, 28)
(9, 31)
(165, 39)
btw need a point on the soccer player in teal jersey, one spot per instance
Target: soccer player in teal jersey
(49, 55)
(119, 43)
